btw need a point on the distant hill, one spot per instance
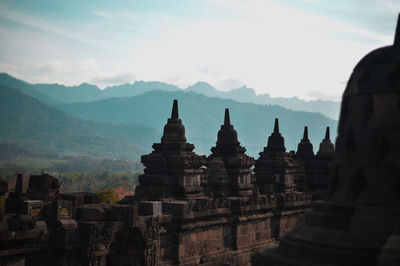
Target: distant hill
(9, 150)
(25, 120)
(85, 92)
(56, 93)
(243, 94)
(202, 117)
(69, 94)
(139, 87)
(25, 87)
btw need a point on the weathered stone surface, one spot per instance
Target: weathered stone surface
(15, 200)
(172, 169)
(80, 198)
(21, 222)
(275, 169)
(33, 208)
(153, 208)
(326, 147)
(3, 186)
(104, 212)
(13, 261)
(390, 252)
(305, 147)
(43, 187)
(91, 213)
(230, 172)
(315, 171)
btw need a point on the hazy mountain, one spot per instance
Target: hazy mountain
(24, 87)
(56, 93)
(206, 89)
(138, 87)
(203, 116)
(244, 94)
(69, 94)
(24, 119)
(328, 108)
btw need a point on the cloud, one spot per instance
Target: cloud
(54, 71)
(272, 47)
(284, 14)
(43, 25)
(87, 66)
(120, 78)
(102, 14)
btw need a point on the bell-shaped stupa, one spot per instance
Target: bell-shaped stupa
(172, 169)
(359, 224)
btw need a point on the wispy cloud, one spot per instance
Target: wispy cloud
(53, 71)
(260, 10)
(270, 45)
(102, 14)
(43, 25)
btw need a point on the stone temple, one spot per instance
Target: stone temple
(228, 208)
(359, 223)
(188, 209)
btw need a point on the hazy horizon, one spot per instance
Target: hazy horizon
(302, 48)
(181, 88)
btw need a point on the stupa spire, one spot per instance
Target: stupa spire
(326, 147)
(276, 126)
(174, 114)
(227, 120)
(327, 134)
(305, 147)
(305, 134)
(276, 142)
(174, 131)
(227, 140)
(233, 165)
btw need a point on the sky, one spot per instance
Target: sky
(303, 48)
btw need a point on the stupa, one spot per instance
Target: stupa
(275, 169)
(305, 147)
(229, 168)
(172, 170)
(359, 223)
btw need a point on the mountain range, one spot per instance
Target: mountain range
(125, 127)
(25, 120)
(56, 93)
(203, 116)
(248, 95)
